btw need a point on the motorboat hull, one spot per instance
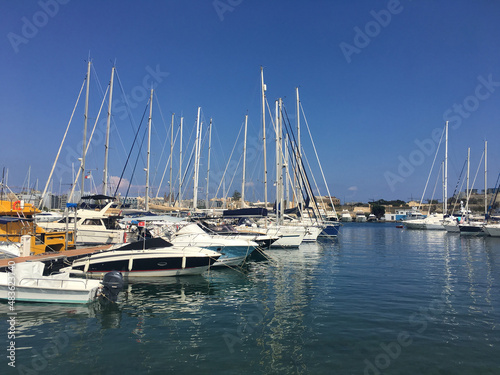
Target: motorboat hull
(145, 263)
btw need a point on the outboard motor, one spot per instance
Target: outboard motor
(112, 285)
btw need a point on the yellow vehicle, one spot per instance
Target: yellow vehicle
(16, 221)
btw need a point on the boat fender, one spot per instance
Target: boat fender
(16, 206)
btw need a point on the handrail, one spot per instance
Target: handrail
(85, 282)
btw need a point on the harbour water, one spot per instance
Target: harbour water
(376, 300)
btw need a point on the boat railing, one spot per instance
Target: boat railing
(57, 282)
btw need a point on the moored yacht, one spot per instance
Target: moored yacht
(150, 257)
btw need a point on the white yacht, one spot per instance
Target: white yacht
(345, 216)
(92, 227)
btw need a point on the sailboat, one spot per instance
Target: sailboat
(435, 220)
(471, 225)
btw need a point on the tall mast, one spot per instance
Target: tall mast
(146, 199)
(208, 161)
(287, 173)
(468, 170)
(445, 173)
(485, 178)
(195, 181)
(280, 147)
(298, 187)
(29, 177)
(106, 146)
(244, 164)
(263, 90)
(180, 166)
(278, 166)
(444, 194)
(170, 183)
(84, 147)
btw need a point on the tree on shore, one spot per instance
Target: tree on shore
(378, 210)
(236, 195)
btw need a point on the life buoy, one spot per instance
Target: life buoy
(16, 206)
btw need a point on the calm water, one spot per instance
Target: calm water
(377, 300)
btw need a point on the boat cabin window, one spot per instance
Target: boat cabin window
(92, 222)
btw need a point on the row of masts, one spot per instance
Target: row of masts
(282, 153)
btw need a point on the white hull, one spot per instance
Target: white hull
(434, 226)
(451, 228)
(414, 224)
(229, 262)
(53, 295)
(492, 229)
(289, 236)
(29, 285)
(312, 233)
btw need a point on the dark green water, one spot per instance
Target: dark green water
(377, 300)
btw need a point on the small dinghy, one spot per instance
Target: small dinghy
(25, 283)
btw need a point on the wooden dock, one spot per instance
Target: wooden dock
(68, 254)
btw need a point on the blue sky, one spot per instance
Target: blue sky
(376, 78)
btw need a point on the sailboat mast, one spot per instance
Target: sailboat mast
(445, 195)
(29, 177)
(170, 182)
(146, 198)
(280, 150)
(298, 182)
(208, 160)
(106, 146)
(287, 172)
(468, 171)
(278, 166)
(263, 90)
(180, 165)
(244, 164)
(195, 181)
(84, 147)
(485, 178)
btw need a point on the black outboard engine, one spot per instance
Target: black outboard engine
(112, 286)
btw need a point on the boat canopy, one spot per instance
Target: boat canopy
(148, 243)
(12, 219)
(246, 212)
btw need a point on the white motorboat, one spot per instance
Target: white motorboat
(232, 251)
(92, 227)
(26, 283)
(360, 217)
(149, 257)
(345, 216)
(47, 217)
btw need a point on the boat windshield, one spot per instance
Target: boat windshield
(148, 243)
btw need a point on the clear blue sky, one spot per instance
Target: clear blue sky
(375, 77)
